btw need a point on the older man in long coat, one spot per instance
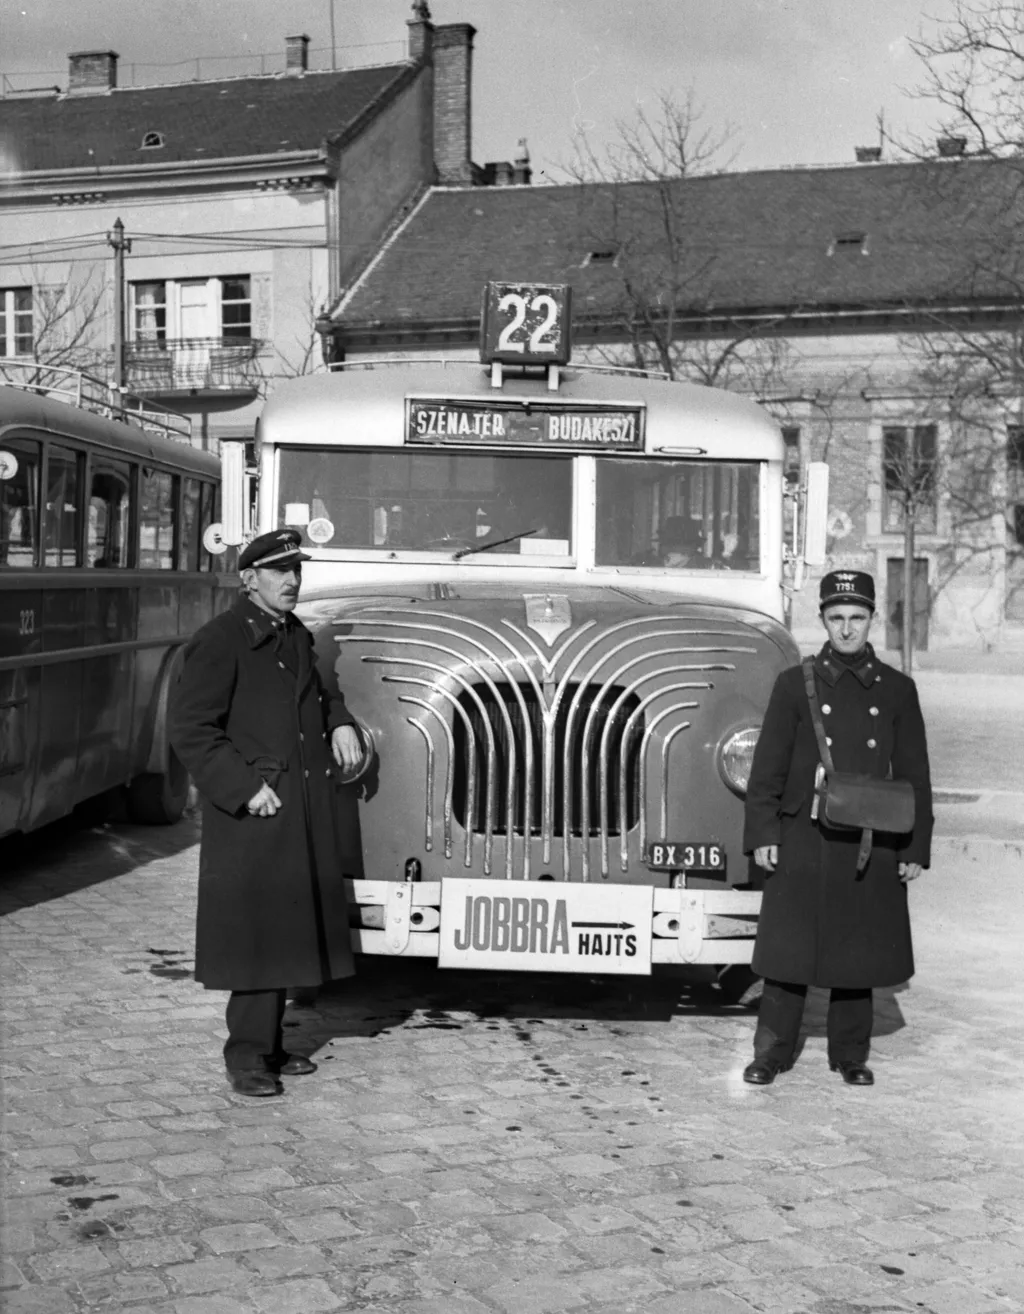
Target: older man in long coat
(265, 743)
(823, 921)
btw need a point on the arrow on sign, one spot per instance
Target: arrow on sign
(604, 926)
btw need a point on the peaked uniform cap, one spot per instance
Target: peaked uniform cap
(278, 548)
(854, 586)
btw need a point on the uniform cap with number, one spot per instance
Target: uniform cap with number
(847, 586)
(279, 549)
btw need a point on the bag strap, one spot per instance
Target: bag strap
(819, 728)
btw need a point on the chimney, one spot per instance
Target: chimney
(296, 51)
(521, 171)
(421, 32)
(92, 71)
(951, 148)
(453, 74)
(867, 154)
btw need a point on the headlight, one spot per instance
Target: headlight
(736, 757)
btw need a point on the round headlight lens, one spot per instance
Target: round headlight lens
(736, 757)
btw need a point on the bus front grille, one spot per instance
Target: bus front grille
(509, 751)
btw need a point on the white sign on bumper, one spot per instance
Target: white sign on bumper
(555, 927)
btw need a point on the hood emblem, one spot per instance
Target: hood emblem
(548, 614)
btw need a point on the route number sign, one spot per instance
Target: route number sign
(526, 324)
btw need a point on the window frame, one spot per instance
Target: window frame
(176, 478)
(15, 442)
(10, 313)
(924, 474)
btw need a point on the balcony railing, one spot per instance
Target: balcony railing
(177, 365)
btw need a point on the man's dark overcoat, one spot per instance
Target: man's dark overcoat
(250, 706)
(821, 922)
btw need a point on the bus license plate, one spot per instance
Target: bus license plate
(687, 855)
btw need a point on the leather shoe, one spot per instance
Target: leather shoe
(296, 1065)
(254, 1083)
(852, 1072)
(762, 1072)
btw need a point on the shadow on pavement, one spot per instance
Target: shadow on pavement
(389, 995)
(70, 855)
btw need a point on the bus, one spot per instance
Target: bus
(105, 570)
(554, 599)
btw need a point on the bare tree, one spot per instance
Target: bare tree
(638, 213)
(69, 319)
(973, 73)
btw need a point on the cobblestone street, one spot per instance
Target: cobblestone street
(478, 1143)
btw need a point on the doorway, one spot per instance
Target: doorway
(894, 609)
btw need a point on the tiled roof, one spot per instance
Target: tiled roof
(197, 120)
(931, 232)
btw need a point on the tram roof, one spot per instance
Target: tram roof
(363, 405)
(25, 410)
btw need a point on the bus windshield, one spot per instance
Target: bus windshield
(683, 515)
(428, 501)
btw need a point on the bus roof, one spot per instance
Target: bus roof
(365, 406)
(21, 410)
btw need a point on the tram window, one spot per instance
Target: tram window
(683, 515)
(63, 506)
(109, 510)
(188, 541)
(430, 501)
(19, 502)
(157, 499)
(208, 508)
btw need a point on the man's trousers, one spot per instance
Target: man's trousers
(850, 1015)
(255, 1039)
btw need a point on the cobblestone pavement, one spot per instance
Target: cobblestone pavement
(477, 1143)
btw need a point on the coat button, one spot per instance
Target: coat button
(872, 743)
(825, 709)
(327, 772)
(873, 711)
(281, 665)
(878, 679)
(828, 741)
(306, 774)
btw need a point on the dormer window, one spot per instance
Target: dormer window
(608, 255)
(849, 244)
(152, 141)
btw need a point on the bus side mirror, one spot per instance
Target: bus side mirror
(232, 494)
(815, 514)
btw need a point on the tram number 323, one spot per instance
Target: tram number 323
(526, 323)
(26, 622)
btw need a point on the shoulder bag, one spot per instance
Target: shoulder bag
(851, 801)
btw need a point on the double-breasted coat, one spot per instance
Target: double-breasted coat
(822, 923)
(250, 707)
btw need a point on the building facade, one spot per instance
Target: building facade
(247, 205)
(875, 309)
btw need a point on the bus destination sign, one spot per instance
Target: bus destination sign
(533, 424)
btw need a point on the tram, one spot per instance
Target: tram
(554, 600)
(104, 573)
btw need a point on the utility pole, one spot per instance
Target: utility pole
(334, 62)
(121, 244)
(909, 513)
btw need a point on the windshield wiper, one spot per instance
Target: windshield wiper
(459, 553)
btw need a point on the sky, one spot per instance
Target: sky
(797, 82)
